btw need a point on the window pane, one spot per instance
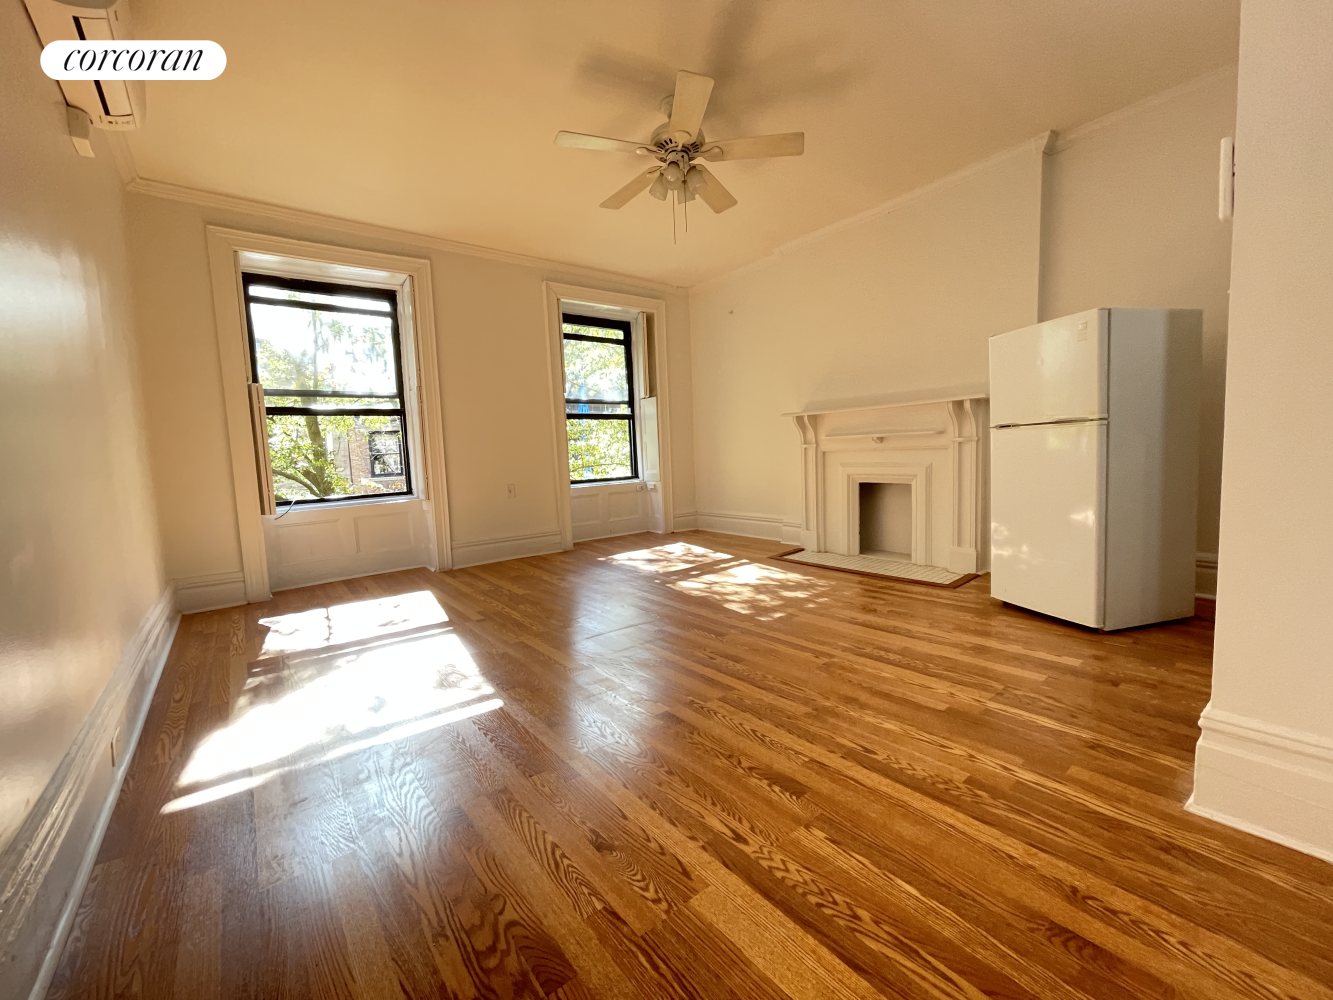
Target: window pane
(319, 298)
(596, 371)
(598, 449)
(309, 349)
(328, 456)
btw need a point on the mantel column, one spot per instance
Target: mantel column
(811, 535)
(963, 556)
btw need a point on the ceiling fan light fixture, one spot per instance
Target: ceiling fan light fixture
(676, 144)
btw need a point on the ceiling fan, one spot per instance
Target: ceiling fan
(678, 143)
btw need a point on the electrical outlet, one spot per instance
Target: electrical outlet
(511, 491)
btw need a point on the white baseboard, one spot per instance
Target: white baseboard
(1268, 780)
(45, 868)
(1205, 574)
(209, 593)
(750, 526)
(687, 521)
(499, 549)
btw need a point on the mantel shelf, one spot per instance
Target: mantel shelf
(882, 434)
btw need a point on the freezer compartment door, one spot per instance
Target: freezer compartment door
(1052, 371)
(1047, 519)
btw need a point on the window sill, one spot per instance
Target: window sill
(341, 504)
(614, 482)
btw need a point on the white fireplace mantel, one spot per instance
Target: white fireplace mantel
(936, 442)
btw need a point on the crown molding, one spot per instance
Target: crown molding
(1046, 142)
(1064, 140)
(296, 216)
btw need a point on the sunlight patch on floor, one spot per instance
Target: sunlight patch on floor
(248, 782)
(350, 622)
(668, 558)
(299, 710)
(753, 588)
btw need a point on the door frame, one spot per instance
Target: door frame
(411, 276)
(652, 372)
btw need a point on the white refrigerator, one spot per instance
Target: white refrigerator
(1094, 466)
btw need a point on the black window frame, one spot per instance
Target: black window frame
(626, 339)
(311, 286)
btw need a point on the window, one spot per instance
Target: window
(328, 357)
(386, 454)
(599, 399)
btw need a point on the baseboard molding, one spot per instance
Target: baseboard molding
(687, 521)
(750, 526)
(1205, 574)
(209, 593)
(1271, 781)
(499, 549)
(45, 868)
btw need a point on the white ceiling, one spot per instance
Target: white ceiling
(437, 116)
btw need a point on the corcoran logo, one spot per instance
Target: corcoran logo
(77, 59)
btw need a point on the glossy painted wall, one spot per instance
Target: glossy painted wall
(79, 557)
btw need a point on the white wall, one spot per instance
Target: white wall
(79, 561)
(902, 299)
(491, 328)
(1130, 219)
(1265, 761)
(906, 297)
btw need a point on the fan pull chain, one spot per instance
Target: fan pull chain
(675, 197)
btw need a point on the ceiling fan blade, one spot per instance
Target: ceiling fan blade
(714, 195)
(577, 140)
(782, 144)
(635, 187)
(689, 104)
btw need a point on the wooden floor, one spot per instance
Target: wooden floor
(674, 768)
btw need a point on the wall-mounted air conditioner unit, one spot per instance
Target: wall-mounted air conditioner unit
(110, 104)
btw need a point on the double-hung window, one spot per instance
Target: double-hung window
(329, 359)
(599, 399)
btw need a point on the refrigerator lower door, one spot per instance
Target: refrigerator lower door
(1047, 518)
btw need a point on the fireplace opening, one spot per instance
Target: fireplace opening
(886, 520)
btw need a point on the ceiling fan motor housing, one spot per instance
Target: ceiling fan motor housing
(667, 148)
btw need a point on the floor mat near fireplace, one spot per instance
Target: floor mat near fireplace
(870, 565)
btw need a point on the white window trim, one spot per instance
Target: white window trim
(411, 277)
(593, 301)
